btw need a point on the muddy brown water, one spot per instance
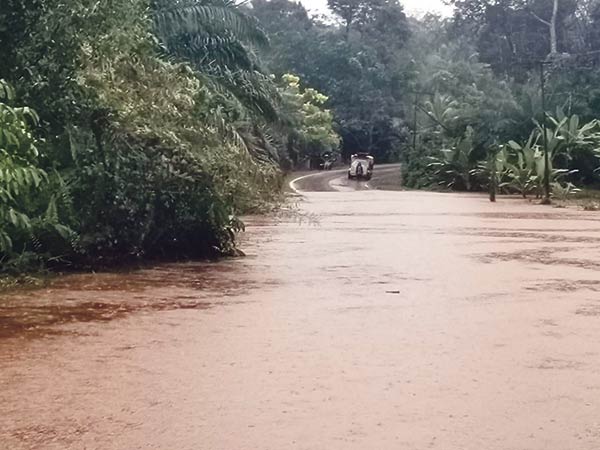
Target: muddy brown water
(400, 320)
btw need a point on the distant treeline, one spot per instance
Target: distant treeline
(467, 85)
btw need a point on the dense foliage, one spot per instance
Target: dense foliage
(447, 95)
(357, 64)
(27, 212)
(150, 126)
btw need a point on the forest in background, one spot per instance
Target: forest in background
(144, 128)
(457, 99)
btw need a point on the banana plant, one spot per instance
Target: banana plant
(453, 168)
(492, 169)
(565, 134)
(563, 191)
(574, 137)
(442, 109)
(526, 174)
(522, 175)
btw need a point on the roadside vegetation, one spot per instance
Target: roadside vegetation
(458, 100)
(137, 129)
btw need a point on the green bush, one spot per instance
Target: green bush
(29, 220)
(136, 153)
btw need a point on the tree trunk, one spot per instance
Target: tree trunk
(553, 39)
(493, 184)
(493, 177)
(551, 26)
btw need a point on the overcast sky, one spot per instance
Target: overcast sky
(412, 7)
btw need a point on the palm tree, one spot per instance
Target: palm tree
(214, 33)
(219, 40)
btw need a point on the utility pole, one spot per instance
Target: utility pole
(546, 200)
(416, 105)
(415, 124)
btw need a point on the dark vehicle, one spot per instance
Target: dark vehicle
(326, 161)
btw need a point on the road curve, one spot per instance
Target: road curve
(384, 177)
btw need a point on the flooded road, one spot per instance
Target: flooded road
(397, 320)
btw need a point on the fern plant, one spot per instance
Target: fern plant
(23, 216)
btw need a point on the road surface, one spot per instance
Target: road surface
(393, 320)
(384, 176)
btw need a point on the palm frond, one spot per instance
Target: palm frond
(254, 90)
(212, 50)
(195, 17)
